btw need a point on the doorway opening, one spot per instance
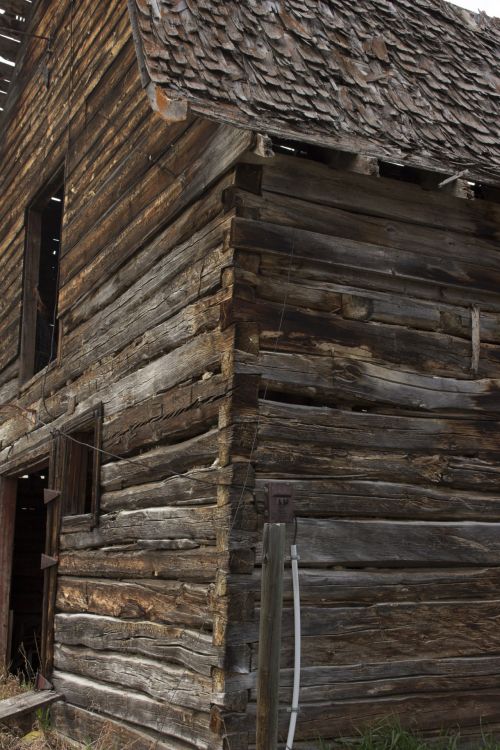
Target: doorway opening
(26, 610)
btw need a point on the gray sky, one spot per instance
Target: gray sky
(492, 7)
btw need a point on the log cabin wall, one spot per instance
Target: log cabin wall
(358, 293)
(143, 274)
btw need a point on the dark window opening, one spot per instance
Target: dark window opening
(79, 496)
(40, 331)
(46, 337)
(404, 173)
(27, 583)
(80, 456)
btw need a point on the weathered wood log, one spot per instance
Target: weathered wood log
(186, 490)
(199, 564)
(144, 305)
(155, 464)
(85, 726)
(184, 724)
(386, 633)
(318, 183)
(330, 588)
(313, 333)
(179, 413)
(379, 680)
(320, 498)
(170, 643)
(432, 711)
(402, 543)
(193, 222)
(187, 528)
(284, 461)
(156, 601)
(348, 429)
(164, 682)
(352, 380)
(369, 253)
(196, 357)
(225, 147)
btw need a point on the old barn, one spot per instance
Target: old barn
(246, 243)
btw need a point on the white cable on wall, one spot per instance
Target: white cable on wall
(297, 635)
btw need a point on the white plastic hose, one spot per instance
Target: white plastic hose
(297, 635)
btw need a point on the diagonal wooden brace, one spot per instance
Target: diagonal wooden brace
(48, 562)
(50, 495)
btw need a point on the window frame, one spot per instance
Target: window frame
(89, 420)
(31, 269)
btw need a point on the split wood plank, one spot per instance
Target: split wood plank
(25, 703)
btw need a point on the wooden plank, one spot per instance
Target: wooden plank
(270, 636)
(55, 459)
(25, 703)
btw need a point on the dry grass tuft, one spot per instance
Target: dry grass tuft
(36, 740)
(11, 685)
(43, 737)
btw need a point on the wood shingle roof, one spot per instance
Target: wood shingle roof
(416, 81)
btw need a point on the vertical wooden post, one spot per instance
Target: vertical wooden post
(273, 558)
(8, 491)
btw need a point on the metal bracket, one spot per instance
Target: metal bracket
(280, 508)
(49, 495)
(48, 562)
(42, 683)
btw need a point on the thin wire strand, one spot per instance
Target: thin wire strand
(13, 34)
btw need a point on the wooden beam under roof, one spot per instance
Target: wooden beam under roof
(20, 8)
(14, 20)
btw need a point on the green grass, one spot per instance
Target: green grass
(391, 736)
